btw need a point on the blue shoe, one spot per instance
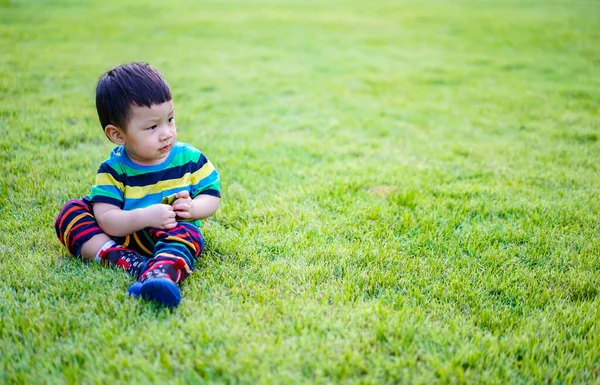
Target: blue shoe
(135, 290)
(161, 290)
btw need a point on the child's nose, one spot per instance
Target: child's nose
(166, 133)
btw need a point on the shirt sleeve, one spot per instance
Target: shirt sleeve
(109, 187)
(205, 179)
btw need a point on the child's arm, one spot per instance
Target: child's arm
(118, 223)
(203, 206)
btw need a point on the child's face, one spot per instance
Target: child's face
(150, 133)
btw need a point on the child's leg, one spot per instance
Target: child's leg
(78, 230)
(182, 244)
(90, 249)
(175, 254)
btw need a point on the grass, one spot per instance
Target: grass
(410, 192)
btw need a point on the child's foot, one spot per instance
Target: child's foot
(135, 290)
(161, 290)
(159, 283)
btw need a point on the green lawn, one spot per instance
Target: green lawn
(411, 192)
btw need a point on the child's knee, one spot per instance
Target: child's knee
(72, 209)
(75, 225)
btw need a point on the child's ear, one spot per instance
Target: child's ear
(115, 134)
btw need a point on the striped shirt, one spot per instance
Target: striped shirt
(128, 185)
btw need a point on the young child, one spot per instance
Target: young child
(144, 210)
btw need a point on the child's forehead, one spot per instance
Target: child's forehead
(154, 111)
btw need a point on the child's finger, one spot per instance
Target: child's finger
(177, 202)
(183, 214)
(183, 194)
(170, 226)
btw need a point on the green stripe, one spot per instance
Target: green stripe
(150, 240)
(105, 193)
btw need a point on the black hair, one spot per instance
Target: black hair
(120, 87)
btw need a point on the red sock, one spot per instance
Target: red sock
(127, 259)
(171, 269)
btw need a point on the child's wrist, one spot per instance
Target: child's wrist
(139, 217)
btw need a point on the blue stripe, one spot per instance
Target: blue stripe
(205, 182)
(103, 199)
(214, 193)
(115, 160)
(150, 199)
(157, 176)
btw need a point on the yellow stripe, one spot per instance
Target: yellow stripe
(77, 218)
(188, 244)
(141, 245)
(107, 179)
(138, 192)
(127, 239)
(203, 172)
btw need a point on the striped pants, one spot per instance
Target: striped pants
(75, 225)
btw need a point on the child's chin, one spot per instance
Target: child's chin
(162, 156)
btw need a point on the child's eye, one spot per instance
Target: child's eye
(152, 128)
(172, 118)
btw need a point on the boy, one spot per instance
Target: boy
(144, 210)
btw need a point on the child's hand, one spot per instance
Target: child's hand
(160, 216)
(183, 205)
